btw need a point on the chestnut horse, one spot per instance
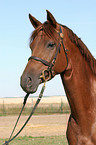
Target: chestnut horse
(57, 50)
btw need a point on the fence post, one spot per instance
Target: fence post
(4, 111)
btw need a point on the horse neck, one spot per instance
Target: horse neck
(77, 80)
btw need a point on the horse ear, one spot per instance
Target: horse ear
(34, 21)
(51, 18)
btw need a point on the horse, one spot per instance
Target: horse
(56, 49)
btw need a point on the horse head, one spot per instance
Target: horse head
(48, 56)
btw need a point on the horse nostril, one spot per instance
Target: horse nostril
(29, 82)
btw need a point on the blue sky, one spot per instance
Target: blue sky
(15, 31)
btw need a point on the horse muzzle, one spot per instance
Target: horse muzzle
(29, 83)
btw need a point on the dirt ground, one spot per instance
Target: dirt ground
(43, 125)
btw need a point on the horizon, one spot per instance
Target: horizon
(15, 30)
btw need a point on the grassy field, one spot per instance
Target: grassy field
(50, 140)
(47, 107)
(14, 109)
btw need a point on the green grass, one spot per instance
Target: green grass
(41, 109)
(49, 140)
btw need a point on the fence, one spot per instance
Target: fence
(43, 108)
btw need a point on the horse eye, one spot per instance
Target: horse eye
(51, 45)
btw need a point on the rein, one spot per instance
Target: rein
(49, 69)
(32, 112)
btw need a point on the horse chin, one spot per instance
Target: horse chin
(30, 90)
(33, 89)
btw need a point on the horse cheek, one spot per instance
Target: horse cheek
(61, 62)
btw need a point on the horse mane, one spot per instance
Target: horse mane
(83, 49)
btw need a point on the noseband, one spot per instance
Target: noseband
(50, 65)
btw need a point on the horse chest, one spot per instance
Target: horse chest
(85, 139)
(78, 137)
(93, 133)
(89, 137)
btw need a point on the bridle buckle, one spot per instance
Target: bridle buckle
(61, 35)
(43, 76)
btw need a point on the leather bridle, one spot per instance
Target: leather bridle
(50, 65)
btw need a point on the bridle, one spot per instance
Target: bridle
(50, 65)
